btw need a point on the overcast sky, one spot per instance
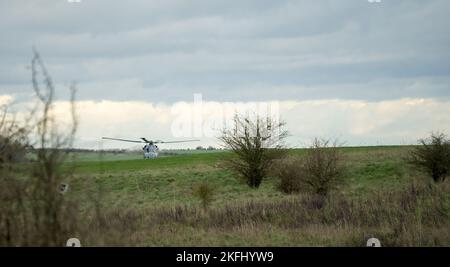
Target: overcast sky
(368, 73)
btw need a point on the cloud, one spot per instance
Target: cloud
(5, 100)
(354, 122)
(368, 73)
(176, 48)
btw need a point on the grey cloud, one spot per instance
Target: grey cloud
(251, 50)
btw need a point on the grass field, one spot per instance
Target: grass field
(152, 203)
(139, 182)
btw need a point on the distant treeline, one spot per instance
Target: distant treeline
(84, 150)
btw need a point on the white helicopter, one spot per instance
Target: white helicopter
(150, 148)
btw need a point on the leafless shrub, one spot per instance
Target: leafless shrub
(256, 143)
(433, 156)
(323, 166)
(318, 171)
(33, 210)
(13, 145)
(291, 174)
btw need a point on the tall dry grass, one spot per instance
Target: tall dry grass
(417, 215)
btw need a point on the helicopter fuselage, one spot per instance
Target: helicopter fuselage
(150, 151)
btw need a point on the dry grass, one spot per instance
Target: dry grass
(417, 215)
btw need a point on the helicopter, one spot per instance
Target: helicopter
(150, 148)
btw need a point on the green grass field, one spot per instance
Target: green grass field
(131, 187)
(142, 183)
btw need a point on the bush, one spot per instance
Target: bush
(291, 174)
(319, 171)
(205, 192)
(256, 143)
(323, 166)
(433, 156)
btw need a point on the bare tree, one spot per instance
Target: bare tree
(33, 209)
(256, 143)
(52, 220)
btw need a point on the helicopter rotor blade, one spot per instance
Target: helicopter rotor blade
(180, 141)
(123, 140)
(145, 141)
